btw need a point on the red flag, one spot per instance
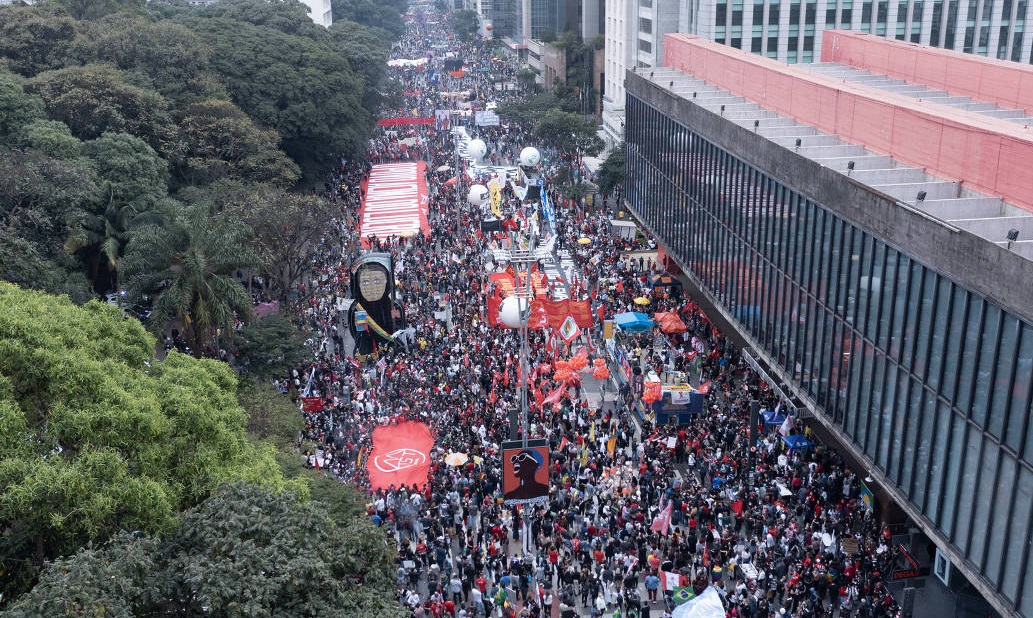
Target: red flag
(704, 388)
(564, 442)
(706, 555)
(662, 522)
(311, 404)
(401, 455)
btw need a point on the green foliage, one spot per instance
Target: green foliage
(188, 264)
(383, 15)
(611, 172)
(287, 16)
(528, 111)
(34, 39)
(222, 142)
(95, 9)
(42, 201)
(17, 108)
(96, 99)
(271, 416)
(287, 226)
(52, 138)
(98, 435)
(301, 88)
(568, 132)
(242, 552)
(465, 24)
(170, 58)
(269, 347)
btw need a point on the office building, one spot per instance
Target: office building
(870, 237)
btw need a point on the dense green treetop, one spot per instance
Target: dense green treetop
(303, 89)
(242, 552)
(97, 435)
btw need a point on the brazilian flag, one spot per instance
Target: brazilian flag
(682, 595)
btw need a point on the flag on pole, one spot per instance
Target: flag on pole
(662, 522)
(682, 595)
(670, 580)
(787, 425)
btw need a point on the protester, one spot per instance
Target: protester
(636, 511)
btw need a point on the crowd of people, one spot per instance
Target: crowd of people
(780, 532)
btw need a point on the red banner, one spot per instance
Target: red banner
(311, 404)
(401, 456)
(404, 120)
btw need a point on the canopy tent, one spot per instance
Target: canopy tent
(797, 441)
(669, 322)
(664, 280)
(772, 418)
(633, 322)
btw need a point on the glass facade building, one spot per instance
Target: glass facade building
(931, 381)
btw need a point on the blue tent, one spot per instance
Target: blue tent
(797, 441)
(772, 418)
(633, 322)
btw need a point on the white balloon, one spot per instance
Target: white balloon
(530, 157)
(478, 195)
(512, 311)
(477, 149)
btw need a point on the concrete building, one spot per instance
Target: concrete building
(320, 11)
(792, 30)
(865, 227)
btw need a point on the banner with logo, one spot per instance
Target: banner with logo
(401, 455)
(525, 472)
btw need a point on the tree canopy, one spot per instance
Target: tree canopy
(242, 552)
(97, 435)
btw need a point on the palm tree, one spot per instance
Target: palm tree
(187, 265)
(103, 235)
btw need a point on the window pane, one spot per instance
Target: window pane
(920, 432)
(967, 489)
(938, 469)
(1001, 392)
(1018, 533)
(939, 333)
(999, 535)
(985, 367)
(952, 481)
(970, 351)
(984, 491)
(951, 359)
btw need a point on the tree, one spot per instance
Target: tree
(304, 90)
(163, 54)
(96, 99)
(385, 16)
(242, 552)
(269, 347)
(288, 228)
(465, 24)
(100, 436)
(222, 142)
(188, 265)
(17, 108)
(42, 201)
(611, 172)
(132, 180)
(34, 39)
(271, 416)
(95, 9)
(569, 133)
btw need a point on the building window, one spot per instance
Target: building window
(645, 25)
(645, 46)
(720, 13)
